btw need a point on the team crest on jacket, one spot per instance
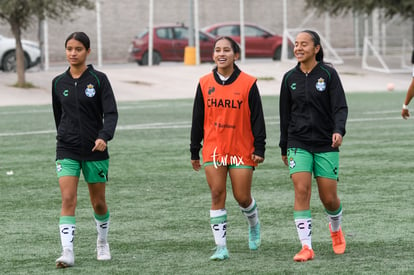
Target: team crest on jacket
(58, 167)
(292, 163)
(90, 91)
(321, 85)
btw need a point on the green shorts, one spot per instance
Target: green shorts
(210, 163)
(323, 165)
(93, 171)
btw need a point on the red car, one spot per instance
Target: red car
(259, 42)
(169, 42)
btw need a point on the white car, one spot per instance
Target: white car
(8, 53)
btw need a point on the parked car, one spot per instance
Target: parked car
(259, 42)
(8, 53)
(169, 42)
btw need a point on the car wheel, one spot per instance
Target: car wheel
(9, 62)
(156, 59)
(291, 54)
(277, 55)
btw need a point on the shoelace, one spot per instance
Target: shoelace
(102, 249)
(253, 231)
(336, 236)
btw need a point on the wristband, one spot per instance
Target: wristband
(405, 107)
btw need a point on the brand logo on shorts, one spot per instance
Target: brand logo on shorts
(102, 174)
(90, 91)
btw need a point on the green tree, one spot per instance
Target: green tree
(391, 8)
(20, 14)
(404, 8)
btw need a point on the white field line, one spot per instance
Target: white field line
(174, 125)
(148, 126)
(128, 107)
(27, 133)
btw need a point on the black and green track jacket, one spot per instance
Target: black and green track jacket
(312, 107)
(84, 110)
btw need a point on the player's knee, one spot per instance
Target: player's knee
(68, 205)
(302, 193)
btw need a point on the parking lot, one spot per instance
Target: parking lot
(173, 80)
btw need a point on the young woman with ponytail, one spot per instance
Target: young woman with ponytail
(313, 114)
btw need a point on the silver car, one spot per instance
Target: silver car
(8, 54)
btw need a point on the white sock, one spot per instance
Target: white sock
(335, 221)
(251, 213)
(102, 228)
(67, 235)
(218, 222)
(304, 229)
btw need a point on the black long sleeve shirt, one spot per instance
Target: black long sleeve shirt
(312, 107)
(84, 110)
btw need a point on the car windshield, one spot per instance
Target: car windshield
(180, 33)
(142, 34)
(203, 37)
(230, 30)
(164, 33)
(252, 31)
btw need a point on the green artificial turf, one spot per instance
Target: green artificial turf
(160, 207)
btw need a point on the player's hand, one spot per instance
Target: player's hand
(405, 113)
(196, 164)
(285, 160)
(257, 159)
(336, 140)
(100, 145)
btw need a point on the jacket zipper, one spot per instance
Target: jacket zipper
(308, 100)
(78, 114)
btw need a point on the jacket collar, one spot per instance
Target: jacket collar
(314, 68)
(231, 79)
(89, 67)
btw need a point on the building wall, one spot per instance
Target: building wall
(121, 20)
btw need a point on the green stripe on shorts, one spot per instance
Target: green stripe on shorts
(211, 163)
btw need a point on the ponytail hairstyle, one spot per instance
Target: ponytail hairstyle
(316, 41)
(81, 37)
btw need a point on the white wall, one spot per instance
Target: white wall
(123, 19)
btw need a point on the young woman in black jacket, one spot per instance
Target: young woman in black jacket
(86, 115)
(313, 113)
